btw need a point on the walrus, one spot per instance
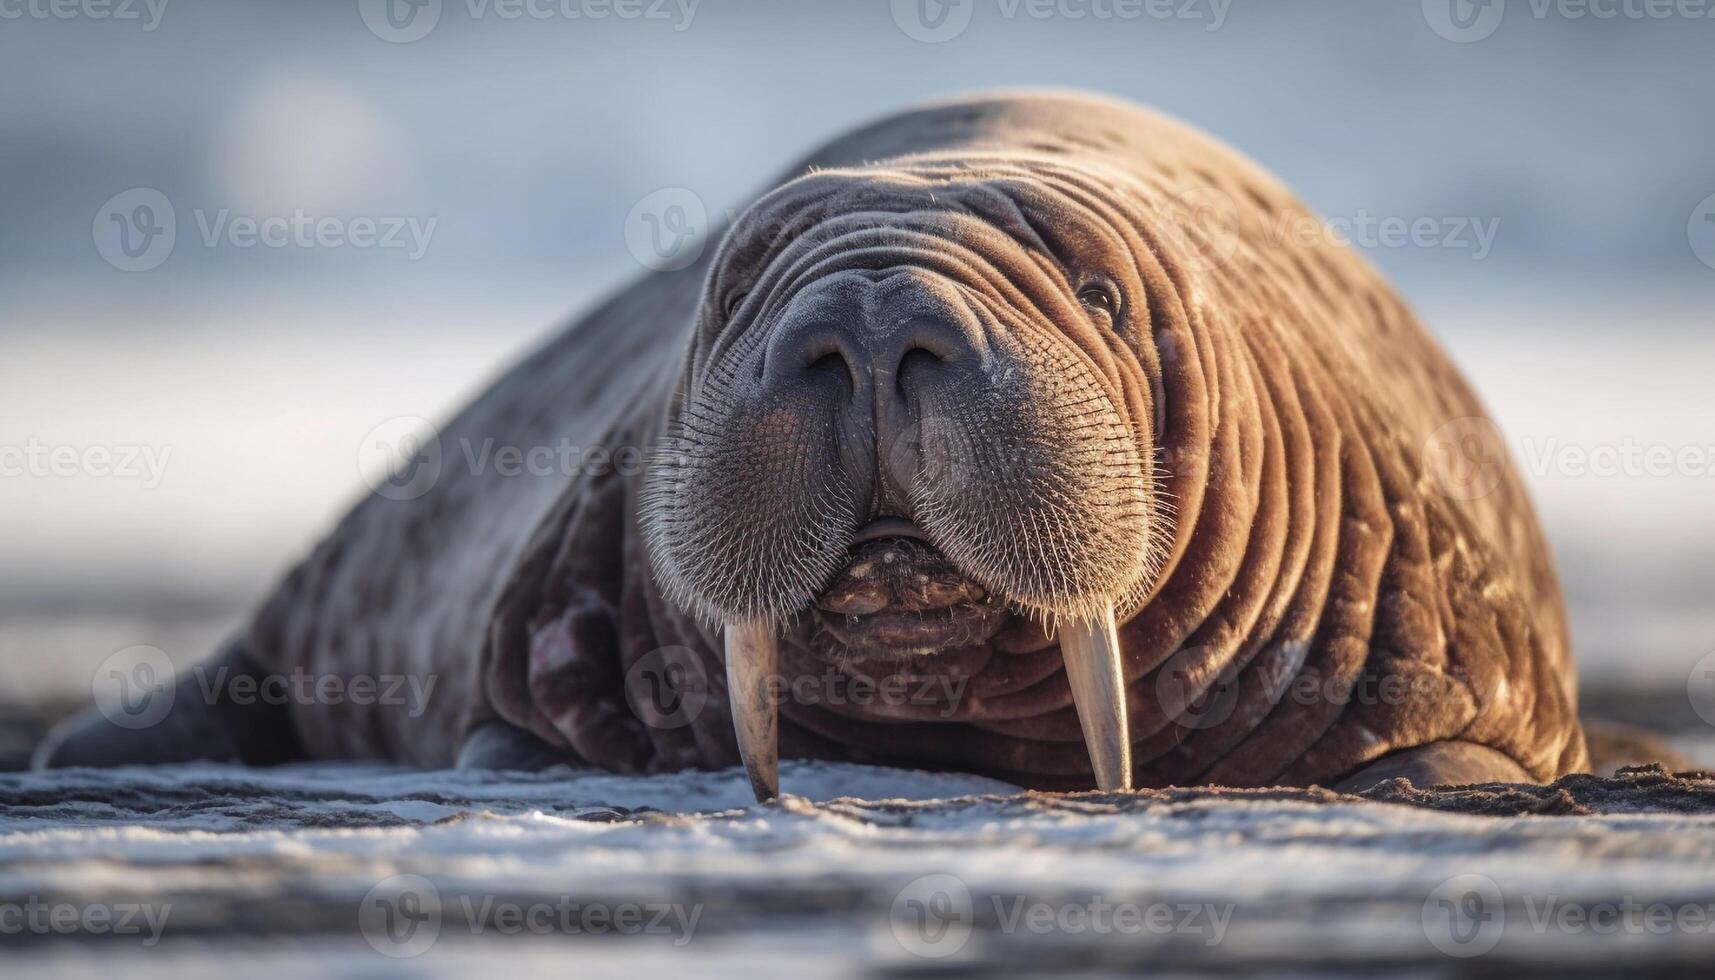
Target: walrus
(1007, 434)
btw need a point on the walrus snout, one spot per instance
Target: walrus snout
(903, 353)
(885, 350)
(918, 392)
(874, 327)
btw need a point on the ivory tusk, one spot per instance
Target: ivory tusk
(1092, 654)
(752, 656)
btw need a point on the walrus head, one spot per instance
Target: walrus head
(920, 398)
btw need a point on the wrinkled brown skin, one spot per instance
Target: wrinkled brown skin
(1311, 547)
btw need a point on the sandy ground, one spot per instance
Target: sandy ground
(360, 871)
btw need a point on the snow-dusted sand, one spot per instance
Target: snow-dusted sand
(362, 871)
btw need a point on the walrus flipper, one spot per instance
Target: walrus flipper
(1447, 763)
(194, 727)
(498, 745)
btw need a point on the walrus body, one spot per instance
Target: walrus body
(966, 379)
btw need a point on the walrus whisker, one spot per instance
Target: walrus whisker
(752, 659)
(1091, 650)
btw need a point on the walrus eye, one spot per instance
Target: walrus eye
(1098, 296)
(733, 301)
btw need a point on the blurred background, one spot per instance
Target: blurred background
(184, 400)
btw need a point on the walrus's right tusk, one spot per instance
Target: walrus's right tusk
(1092, 654)
(752, 655)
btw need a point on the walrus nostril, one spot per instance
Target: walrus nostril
(830, 362)
(817, 350)
(916, 361)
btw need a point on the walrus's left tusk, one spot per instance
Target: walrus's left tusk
(752, 654)
(1092, 654)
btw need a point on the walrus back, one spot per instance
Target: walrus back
(403, 588)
